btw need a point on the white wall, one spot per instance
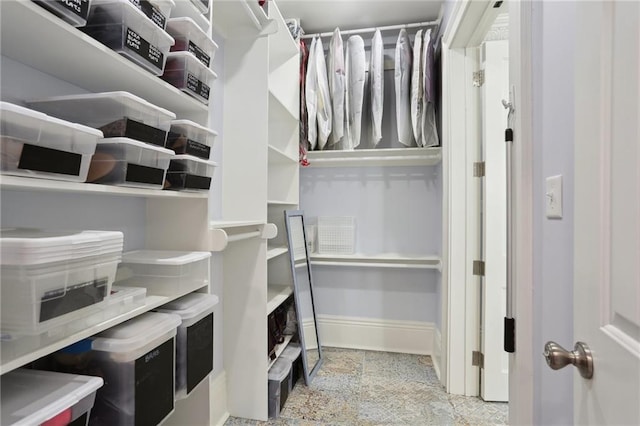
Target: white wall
(553, 41)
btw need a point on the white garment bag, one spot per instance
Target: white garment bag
(417, 90)
(429, 127)
(376, 79)
(403, 62)
(323, 114)
(311, 98)
(336, 74)
(355, 75)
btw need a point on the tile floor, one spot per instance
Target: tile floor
(365, 388)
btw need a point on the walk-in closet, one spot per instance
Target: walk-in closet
(204, 203)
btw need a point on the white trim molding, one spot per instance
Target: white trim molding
(436, 356)
(411, 337)
(218, 399)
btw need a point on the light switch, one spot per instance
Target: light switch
(553, 197)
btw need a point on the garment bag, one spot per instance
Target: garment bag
(429, 127)
(324, 115)
(311, 88)
(376, 78)
(417, 82)
(336, 74)
(403, 62)
(356, 70)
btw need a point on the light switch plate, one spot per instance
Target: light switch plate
(553, 197)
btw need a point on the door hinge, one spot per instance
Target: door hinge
(477, 359)
(478, 78)
(478, 267)
(479, 169)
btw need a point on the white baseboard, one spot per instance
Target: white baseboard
(412, 337)
(218, 399)
(436, 357)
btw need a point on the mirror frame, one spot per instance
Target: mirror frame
(309, 374)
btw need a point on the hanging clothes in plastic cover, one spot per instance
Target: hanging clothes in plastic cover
(355, 73)
(376, 78)
(417, 89)
(304, 124)
(336, 73)
(403, 62)
(429, 126)
(323, 114)
(311, 88)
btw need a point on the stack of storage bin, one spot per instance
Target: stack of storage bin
(132, 152)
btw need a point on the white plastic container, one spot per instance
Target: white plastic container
(121, 26)
(117, 114)
(194, 342)
(52, 278)
(191, 9)
(73, 12)
(188, 173)
(279, 378)
(165, 273)
(189, 37)
(35, 145)
(336, 234)
(156, 10)
(136, 359)
(32, 397)
(187, 137)
(187, 73)
(292, 353)
(127, 162)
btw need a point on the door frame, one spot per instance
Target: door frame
(468, 24)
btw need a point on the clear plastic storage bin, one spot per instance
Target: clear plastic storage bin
(292, 353)
(191, 9)
(165, 273)
(32, 397)
(52, 278)
(279, 385)
(35, 145)
(156, 10)
(187, 137)
(73, 12)
(189, 37)
(194, 342)
(136, 359)
(117, 114)
(187, 173)
(188, 74)
(127, 162)
(121, 26)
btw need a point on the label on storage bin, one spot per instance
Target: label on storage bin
(199, 53)
(197, 87)
(182, 145)
(197, 182)
(144, 132)
(152, 13)
(154, 384)
(142, 47)
(55, 303)
(144, 174)
(42, 159)
(77, 7)
(199, 351)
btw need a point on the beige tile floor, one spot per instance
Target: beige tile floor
(365, 388)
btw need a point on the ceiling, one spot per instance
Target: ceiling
(322, 16)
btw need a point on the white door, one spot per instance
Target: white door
(494, 377)
(607, 211)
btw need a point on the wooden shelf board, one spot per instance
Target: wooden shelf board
(278, 156)
(276, 251)
(276, 295)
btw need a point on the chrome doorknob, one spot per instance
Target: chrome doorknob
(558, 357)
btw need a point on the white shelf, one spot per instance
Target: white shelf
(48, 185)
(276, 95)
(280, 348)
(376, 157)
(276, 251)
(278, 156)
(16, 353)
(240, 18)
(378, 261)
(282, 202)
(282, 46)
(49, 44)
(276, 295)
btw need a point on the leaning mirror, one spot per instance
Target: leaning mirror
(303, 293)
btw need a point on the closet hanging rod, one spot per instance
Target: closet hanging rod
(373, 29)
